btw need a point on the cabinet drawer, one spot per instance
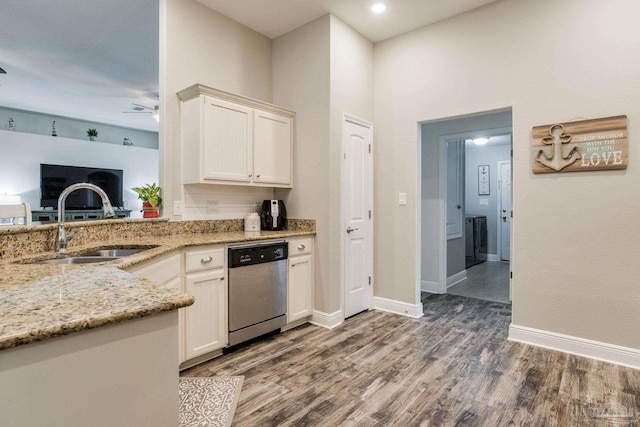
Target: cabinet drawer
(204, 259)
(300, 246)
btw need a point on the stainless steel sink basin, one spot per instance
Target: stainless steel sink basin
(117, 253)
(78, 260)
(101, 255)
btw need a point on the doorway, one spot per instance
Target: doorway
(444, 266)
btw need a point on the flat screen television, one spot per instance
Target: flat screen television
(55, 178)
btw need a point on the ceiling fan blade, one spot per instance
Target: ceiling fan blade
(142, 106)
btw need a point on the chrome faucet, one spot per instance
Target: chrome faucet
(106, 207)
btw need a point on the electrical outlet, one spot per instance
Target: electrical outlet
(177, 207)
(212, 206)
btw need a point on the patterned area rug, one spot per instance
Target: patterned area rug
(209, 401)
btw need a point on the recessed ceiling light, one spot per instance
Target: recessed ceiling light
(480, 141)
(378, 8)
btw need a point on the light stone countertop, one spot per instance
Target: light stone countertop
(41, 301)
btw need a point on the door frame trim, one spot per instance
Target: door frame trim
(346, 117)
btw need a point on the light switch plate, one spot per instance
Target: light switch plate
(177, 207)
(402, 199)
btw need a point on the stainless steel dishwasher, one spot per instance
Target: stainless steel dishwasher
(257, 290)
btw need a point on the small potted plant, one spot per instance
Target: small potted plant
(92, 134)
(151, 199)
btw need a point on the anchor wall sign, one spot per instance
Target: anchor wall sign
(587, 145)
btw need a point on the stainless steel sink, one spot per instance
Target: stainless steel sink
(101, 255)
(78, 260)
(116, 252)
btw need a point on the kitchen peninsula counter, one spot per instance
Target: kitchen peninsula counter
(93, 344)
(41, 301)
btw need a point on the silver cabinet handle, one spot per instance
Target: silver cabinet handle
(222, 278)
(258, 176)
(349, 229)
(301, 247)
(250, 175)
(206, 260)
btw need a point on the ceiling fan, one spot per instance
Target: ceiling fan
(139, 108)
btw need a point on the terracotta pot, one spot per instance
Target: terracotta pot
(149, 211)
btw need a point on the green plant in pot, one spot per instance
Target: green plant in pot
(151, 199)
(92, 134)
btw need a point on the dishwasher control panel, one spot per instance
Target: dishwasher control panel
(258, 254)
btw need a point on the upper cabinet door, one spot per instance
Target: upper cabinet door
(272, 147)
(227, 141)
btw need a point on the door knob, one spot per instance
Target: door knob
(349, 229)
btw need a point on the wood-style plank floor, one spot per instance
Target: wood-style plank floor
(453, 367)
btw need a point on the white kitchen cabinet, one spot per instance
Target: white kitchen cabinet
(272, 148)
(231, 139)
(227, 141)
(300, 275)
(205, 320)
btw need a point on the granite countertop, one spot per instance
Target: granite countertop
(41, 301)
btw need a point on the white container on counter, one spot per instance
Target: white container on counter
(252, 224)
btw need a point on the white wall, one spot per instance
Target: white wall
(575, 243)
(22, 154)
(474, 157)
(199, 45)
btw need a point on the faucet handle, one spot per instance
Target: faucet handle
(72, 235)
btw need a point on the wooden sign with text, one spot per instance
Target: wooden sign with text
(588, 145)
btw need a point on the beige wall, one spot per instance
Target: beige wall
(199, 45)
(575, 239)
(322, 70)
(351, 93)
(301, 83)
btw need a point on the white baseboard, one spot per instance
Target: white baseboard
(397, 307)
(611, 353)
(431, 287)
(456, 278)
(493, 257)
(327, 320)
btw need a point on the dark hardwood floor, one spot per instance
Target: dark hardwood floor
(453, 367)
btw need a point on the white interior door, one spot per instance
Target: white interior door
(504, 217)
(357, 198)
(455, 185)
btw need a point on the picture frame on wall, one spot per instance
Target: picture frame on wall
(484, 180)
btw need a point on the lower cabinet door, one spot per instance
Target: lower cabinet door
(300, 288)
(205, 320)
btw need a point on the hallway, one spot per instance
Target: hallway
(487, 281)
